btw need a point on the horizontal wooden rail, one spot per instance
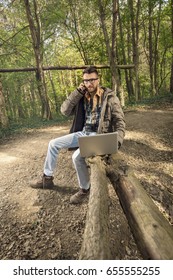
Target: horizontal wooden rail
(30, 69)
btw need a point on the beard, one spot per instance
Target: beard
(92, 90)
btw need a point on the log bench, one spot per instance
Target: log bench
(95, 244)
(152, 232)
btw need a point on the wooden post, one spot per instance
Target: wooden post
(95, 244)
(151, 230)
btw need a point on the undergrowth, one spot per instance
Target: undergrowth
(24, 125)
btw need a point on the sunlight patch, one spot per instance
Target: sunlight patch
(5, 158)
(147, 139)
(61, 129)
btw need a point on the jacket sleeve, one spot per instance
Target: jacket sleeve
(68, 106)
(118, 120)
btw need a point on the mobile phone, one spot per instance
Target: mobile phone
(82, 88)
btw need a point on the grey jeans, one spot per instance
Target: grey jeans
(65, 142)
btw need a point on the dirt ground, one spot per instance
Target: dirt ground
(41, 224)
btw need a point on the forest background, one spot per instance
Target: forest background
(131, 41)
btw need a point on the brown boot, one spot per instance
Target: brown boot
(46, 182)
(80, 196)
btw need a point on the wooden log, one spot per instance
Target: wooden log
(95, 244)
(151, 230)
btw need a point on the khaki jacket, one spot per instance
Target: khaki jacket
(111, 118)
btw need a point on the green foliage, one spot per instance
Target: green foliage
(161, 100)
(71, 34)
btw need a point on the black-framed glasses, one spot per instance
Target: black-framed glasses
(89, 81)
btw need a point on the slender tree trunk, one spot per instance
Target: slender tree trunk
(156, 54)
(137, 81)
(135, 42)
(18, 97)
(129, 51)
(3, 114)
(35, 30)
(151, 50)
(120, 90)
(113, 58)
(171, 80)
(110, 46)
(124, 53)
(9, 105)
(54, 92)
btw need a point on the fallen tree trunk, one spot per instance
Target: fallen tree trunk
(151, 230)
(95, 244)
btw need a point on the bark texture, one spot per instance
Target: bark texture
(96, 235)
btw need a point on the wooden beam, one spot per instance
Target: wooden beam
(151, 230)
(30, 69)
(95, 244)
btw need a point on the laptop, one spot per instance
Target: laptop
(98, 144)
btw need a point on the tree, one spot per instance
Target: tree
(153, 31)
(123, 44)
(134, 18)
(110, 41)
(37, 43)
(3, 114)
(171, 77)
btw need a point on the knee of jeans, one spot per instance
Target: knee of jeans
(73, 157)
(52, 144)
(76, 158)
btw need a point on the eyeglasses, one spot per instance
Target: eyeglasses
(90, 81)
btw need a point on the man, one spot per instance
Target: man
(96, 110)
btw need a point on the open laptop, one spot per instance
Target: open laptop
(99, 144)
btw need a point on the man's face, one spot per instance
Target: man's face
(91, 82)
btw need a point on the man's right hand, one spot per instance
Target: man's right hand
(82, 89)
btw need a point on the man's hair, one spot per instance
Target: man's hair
(89, 70)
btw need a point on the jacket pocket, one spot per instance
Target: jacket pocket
(106, 126)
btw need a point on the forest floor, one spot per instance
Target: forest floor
(41, 224)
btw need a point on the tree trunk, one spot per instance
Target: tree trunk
(156, 54)
(132, 93)
(3, 114)
(110, 47)
(135, 42)
(124, 54)
(151, 50)
(54, 92)
(35, 30)
(171, 80)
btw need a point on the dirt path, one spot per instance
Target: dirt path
(41, 224)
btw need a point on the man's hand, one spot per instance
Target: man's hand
(82, 89)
